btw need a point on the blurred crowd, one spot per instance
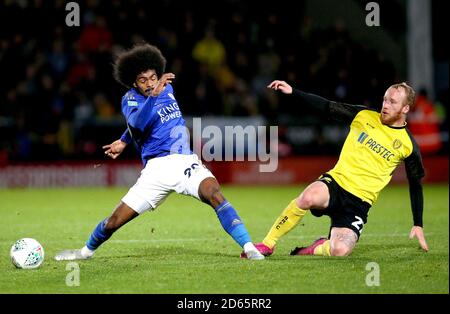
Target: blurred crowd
(58, 99)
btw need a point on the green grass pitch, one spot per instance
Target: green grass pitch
(181, 247)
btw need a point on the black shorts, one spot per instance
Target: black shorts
(345, 209)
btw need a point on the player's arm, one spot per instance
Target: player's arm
(114, 149)
(415, 172)
(340, 111)
(139, 116)
(126, 137)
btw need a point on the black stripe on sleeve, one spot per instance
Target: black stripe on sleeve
(338, 111)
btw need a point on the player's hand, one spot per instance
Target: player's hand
(281, 85)
(114, 149)
(165, 79)
(417, 232)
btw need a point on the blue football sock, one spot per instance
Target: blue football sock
(232, 223)
(98, 236)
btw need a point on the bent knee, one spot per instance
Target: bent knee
(306, 201)
(213, 195)
(340, 249)
(210, 193)
(315, 196)
(216, 198)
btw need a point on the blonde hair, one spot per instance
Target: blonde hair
(409, 92)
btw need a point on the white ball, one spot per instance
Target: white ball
(27, 253)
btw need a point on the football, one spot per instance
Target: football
(27, 253)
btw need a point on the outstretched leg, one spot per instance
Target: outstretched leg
(102, 232)
(209, 192)
(316, 196)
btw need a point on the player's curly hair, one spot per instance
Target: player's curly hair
(142, 57)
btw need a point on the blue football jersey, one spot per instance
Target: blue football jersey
(155, 124)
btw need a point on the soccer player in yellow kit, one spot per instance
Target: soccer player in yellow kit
(376, 144)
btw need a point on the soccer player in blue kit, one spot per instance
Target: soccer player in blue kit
(155, 123)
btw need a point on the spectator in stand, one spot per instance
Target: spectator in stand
(210, 51)
(423, 122)
(96, 37)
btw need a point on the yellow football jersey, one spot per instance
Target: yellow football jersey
(370, 154)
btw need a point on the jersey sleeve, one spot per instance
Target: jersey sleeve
(341, 112)
(415, 172)
(138, 116)
(126, 137)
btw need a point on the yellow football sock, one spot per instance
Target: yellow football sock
(323, 249)
(288, 219)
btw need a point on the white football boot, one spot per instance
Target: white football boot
(71, 255)
(251, 252)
